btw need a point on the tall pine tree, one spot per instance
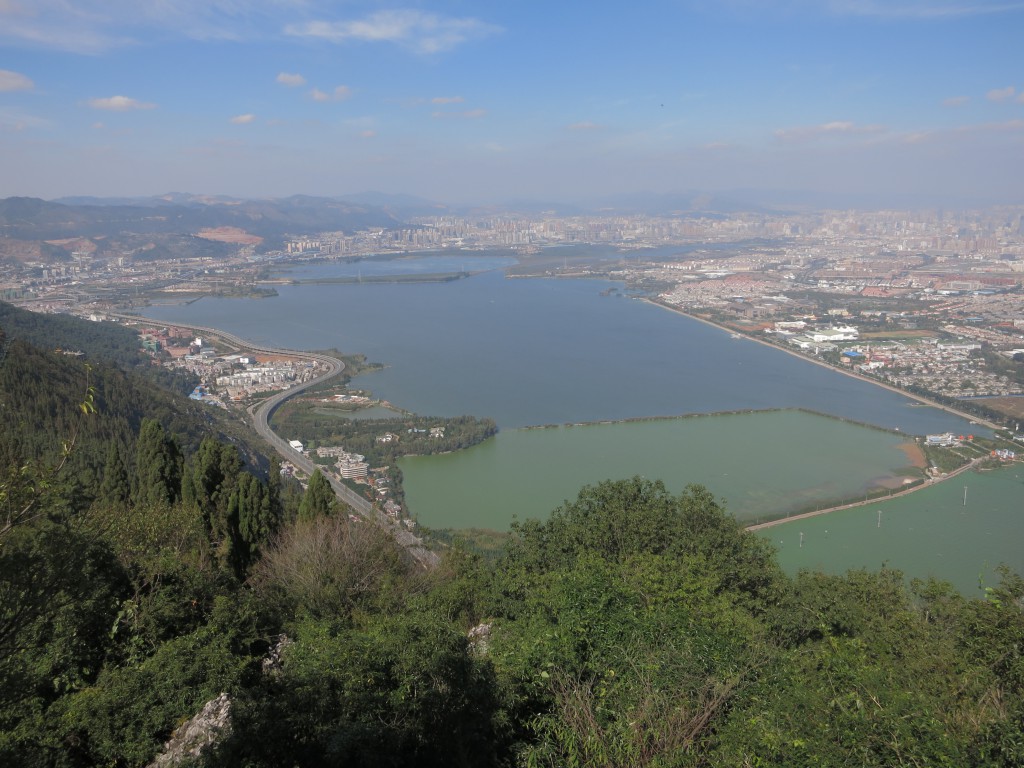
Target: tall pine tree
(115, 488)
(158, 466)
(319, 498)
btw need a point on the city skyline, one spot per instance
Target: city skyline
(470, 103)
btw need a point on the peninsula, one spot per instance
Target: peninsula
(260, 411)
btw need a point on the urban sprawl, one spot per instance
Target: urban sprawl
(925, 301)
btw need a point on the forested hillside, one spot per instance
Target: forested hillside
(42, 391)
(107, 341)
(100, 341)
(146, 568)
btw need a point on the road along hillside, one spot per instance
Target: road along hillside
(260, 414)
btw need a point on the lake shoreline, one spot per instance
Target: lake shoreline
(822, 363)
(775, 465)
(669, 329)
(853, 505)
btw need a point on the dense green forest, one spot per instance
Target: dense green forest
(100, 341)
(633, 627)
(107, 341)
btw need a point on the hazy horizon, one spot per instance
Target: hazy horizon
(642, 202)
(455, 102)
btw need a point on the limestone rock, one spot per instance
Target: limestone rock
(193, 736)
(479, 636)
(273, 661)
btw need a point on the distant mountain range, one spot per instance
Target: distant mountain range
(27, 218)
(183, 215)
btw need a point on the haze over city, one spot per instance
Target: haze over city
(842, 101)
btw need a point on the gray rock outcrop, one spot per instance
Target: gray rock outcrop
(188, 741)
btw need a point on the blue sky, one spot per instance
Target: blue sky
(488, 101)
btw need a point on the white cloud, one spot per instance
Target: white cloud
(447, 100)
(243, 119)
(14, 81)
(469, 114)
(1001, 94)
(919, 10)
(94, 26)
(971, 132)
(922, 9)
(340, 93)
(826, 130)
(291, 80)
(955, 101)
(419, 31)
(1007, 126)
(17, 121)
(367, 134)
(119, 104)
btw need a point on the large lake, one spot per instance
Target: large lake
(542, 351)
(556, 351)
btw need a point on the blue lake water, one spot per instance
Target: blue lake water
(555, 351)
(544, 351)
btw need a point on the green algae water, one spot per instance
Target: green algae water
(763, 465)
(927, 533)
(528, 352)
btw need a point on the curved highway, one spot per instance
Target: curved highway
(261, 413)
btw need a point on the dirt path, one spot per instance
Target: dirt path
(852, 505)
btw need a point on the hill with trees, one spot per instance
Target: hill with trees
(29, 218)
(170, 226)
(147, 567)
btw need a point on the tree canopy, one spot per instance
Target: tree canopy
(632, 627)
